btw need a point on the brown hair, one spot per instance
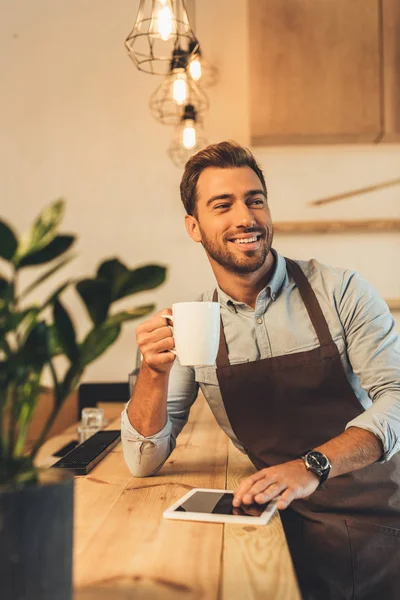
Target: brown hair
(224, 155)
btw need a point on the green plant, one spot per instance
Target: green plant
(33, 335)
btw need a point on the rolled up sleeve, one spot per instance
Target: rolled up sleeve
(146, 455)
(373, 347)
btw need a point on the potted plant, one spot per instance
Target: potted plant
(36, 505)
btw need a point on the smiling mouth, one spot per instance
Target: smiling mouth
(246, 241)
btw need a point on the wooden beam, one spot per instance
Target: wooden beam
(369, 225)
(356, 192)
(393, 303)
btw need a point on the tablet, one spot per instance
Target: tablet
(201, 504)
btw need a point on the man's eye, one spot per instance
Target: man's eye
(257, 201)
(222, 206)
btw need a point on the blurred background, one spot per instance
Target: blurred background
(75, 122)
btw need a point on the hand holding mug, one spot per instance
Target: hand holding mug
(155, 341)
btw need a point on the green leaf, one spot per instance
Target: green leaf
(57, 246)
(55, 348)
(8, 242)
(11, 321)
(129, 315)
(97, 341)
(35, 351)
(70, 383)
(46, 275)
(65, 331)
(96, 294)
(116, 273)
(144, 278)
(4, 377)
(4, 287)
(43, 231)
(5, 347)
(55, 295)
(5, 293)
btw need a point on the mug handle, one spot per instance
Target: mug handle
(171, 318)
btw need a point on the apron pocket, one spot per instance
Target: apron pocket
(321, 555)
(375, 555)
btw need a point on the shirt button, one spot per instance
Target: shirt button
(259, 321)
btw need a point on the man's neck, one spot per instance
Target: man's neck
(244, 287)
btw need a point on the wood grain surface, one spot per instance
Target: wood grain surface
(391, 69)
(256, 560)
(315, 71)
(123, 548)
(359, 225)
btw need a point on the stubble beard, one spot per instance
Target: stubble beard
(234, 263)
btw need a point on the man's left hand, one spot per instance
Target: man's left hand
(285, 482)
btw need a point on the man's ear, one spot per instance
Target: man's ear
(192, 227)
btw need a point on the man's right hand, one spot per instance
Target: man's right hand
(155, 341)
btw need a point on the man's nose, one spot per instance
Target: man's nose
(244, 216)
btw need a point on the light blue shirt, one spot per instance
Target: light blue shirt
(360, 324)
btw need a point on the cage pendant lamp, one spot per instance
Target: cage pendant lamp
(201, 71)
(161, 26)
(188, 138)
(167, 104)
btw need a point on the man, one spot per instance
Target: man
(307, 383)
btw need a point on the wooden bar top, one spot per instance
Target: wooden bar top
(123, 548)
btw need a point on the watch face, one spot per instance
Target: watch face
(316, 460)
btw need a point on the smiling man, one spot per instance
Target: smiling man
(307, 384)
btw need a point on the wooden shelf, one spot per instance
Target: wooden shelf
(366, 225)
(393, 303)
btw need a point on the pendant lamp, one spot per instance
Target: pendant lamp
(178, 89)
(161, 26)
(188, 138)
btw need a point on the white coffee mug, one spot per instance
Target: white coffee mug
(196, 327)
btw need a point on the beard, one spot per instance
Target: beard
(231, 261)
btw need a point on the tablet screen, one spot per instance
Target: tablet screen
(218, 503)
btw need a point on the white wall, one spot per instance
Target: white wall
(74, 122)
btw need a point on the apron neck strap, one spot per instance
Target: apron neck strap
(310, 301)
(222, 357)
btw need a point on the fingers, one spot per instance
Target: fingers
(246, 486)
(269, 493)
(155, 341)
(287, 497)
(158, 334)
(154, 323)
(164, 345)
(284, 482)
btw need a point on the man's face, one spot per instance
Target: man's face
(233, 221)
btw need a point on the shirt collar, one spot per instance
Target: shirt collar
(271, 290)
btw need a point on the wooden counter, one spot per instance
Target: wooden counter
(123, 548)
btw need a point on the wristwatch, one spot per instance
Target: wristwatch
(319, 464)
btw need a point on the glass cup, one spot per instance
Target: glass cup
(92, 417)
(86, 432)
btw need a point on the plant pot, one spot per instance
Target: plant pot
(36, 529)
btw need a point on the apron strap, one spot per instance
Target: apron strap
(310, 301)
(222, 356)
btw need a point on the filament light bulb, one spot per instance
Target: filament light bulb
(179, 88)
(189, 135)
(162, 20)
(195, 68)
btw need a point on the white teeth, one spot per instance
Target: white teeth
(246, 241)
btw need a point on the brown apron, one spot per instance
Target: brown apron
(345, 539)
